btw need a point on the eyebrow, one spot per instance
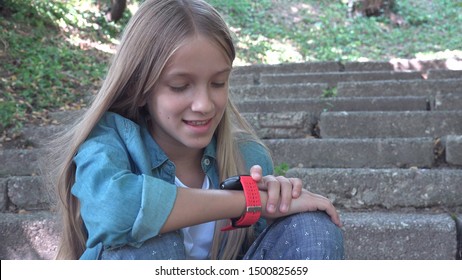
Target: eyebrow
(187, 74)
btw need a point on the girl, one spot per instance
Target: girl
(140, 175)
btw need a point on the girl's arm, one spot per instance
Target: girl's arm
(195, 206)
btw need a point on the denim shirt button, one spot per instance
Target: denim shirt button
(206, 161)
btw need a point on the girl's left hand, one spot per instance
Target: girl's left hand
(281, 190)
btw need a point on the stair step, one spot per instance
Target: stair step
(269, 92)
(447, 102)
(333, 78)
(366, 188)
(444, 74)
(390, 124)
(354, 153)
(399, 236)
(399, 88)
(453, 149)
(257, 69)
(21, 162)
(25, 193)
(28, 236)
(318, 105)
(313, 67)
(367, 235)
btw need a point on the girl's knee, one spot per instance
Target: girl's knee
(321, 238)
(311, 235)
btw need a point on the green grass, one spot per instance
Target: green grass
(281, 169)
(320, 30)
(48, 59)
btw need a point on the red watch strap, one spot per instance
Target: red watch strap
(253, 205)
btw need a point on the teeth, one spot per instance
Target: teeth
(197, 122)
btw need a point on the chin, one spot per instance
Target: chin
(199, 143)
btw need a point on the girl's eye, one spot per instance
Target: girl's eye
(218, 85)
(178, 88)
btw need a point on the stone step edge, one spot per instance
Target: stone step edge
(355, 153)
(391, 189)
(332, 79)
(418, 65)
(381, 124)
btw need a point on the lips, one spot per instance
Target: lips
(197, 123)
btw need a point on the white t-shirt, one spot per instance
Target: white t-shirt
(198, 238)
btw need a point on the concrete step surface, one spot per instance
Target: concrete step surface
(415, 87)
(382, 88)
(313, 67)
(399, 236)
(333, 78)
(29, 193)
(444, 74)
(316, 106)
(395, 188)
(354, 153)
(271, 92)
(390, 124)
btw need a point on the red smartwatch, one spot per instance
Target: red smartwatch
(252, 200)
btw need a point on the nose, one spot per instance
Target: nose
(202, 101)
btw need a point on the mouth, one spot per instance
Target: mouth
(197, 123)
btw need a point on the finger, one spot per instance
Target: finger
(332, 212)
(326, 205)
(256, 172)
(273, 189)
(285, 193)
(297, 186)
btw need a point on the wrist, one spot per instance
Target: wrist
(253, 204)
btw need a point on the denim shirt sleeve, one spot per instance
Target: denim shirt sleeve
(120, 202)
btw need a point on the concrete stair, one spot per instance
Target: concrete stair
(384, 145)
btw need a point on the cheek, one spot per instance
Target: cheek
(221, 100)
(224, 104)
(163, 105)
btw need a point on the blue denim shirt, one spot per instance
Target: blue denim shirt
(126, 184)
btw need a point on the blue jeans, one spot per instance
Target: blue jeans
(310, 236)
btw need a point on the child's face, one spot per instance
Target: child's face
(191, 96)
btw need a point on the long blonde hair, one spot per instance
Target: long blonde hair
(151, 37)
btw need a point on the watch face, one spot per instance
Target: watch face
(232, 183)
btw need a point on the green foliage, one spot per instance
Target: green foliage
(313, 30)
(44, 70)
(329, 92)
(281, 169)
